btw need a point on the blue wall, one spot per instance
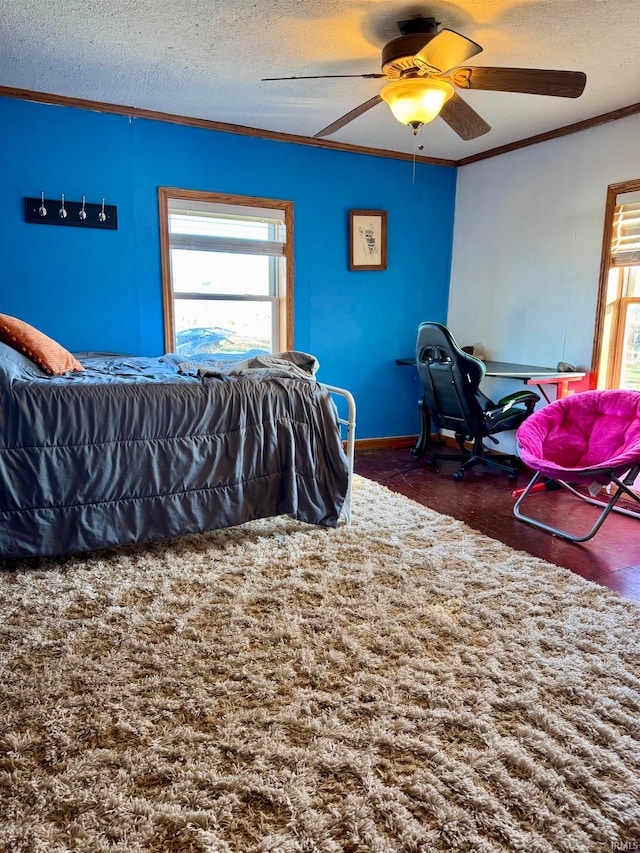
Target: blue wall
(94, 290)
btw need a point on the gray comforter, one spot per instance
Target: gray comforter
(134, 449)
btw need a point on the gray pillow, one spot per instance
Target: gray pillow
(15, 365)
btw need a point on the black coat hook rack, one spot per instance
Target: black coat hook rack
(80, 214)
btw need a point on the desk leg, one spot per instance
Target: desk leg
(424, 439)
(543, 392)
(562, 388)
(539, 387)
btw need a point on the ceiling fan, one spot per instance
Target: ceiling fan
(424, 68)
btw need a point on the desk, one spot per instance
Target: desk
(530, 374)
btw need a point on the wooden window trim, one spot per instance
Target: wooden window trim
(613, 191)
(285, 298)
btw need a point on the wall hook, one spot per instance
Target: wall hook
(81, 214)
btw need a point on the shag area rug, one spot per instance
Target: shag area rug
(403, 684)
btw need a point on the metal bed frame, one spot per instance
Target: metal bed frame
(350, 423)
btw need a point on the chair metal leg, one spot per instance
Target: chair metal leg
(424, 438)
(623, 488)
(467, 458)
(480, 457)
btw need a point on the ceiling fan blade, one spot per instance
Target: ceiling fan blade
(345, 119)
(445, 51)
(462, 119)
(325, 77)
(529, 81)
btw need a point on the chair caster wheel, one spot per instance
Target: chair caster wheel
(430, 463)
(459, 475)
(512, 478)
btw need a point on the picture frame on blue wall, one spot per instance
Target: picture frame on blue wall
(367, 240)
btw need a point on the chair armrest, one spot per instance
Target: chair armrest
(528, 399)
(524, 398)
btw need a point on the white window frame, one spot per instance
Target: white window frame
(282, 291)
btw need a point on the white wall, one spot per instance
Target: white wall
(527, 246)
(528, 240)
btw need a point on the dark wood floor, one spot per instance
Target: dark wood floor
(484, 501)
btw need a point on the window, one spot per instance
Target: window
(227, 265)
(617, 349)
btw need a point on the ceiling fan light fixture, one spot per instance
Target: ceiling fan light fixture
(415, 100)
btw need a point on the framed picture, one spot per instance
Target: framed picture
(367, 239)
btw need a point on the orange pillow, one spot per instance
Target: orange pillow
(51, 357)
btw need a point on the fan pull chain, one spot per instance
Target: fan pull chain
(413, 164)
(420, 148)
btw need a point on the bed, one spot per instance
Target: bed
(130, 449)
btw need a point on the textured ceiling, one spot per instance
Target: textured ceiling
(205, 59)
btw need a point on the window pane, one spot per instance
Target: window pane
(630, 370)
(606, 350)
(223, 326)
(632, 281)
(220, 273)
(614, 284)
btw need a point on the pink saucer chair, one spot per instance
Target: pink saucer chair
(590, 439)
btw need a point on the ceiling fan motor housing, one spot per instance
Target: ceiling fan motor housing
(397, 55)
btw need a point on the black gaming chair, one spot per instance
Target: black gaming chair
(453, 401)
